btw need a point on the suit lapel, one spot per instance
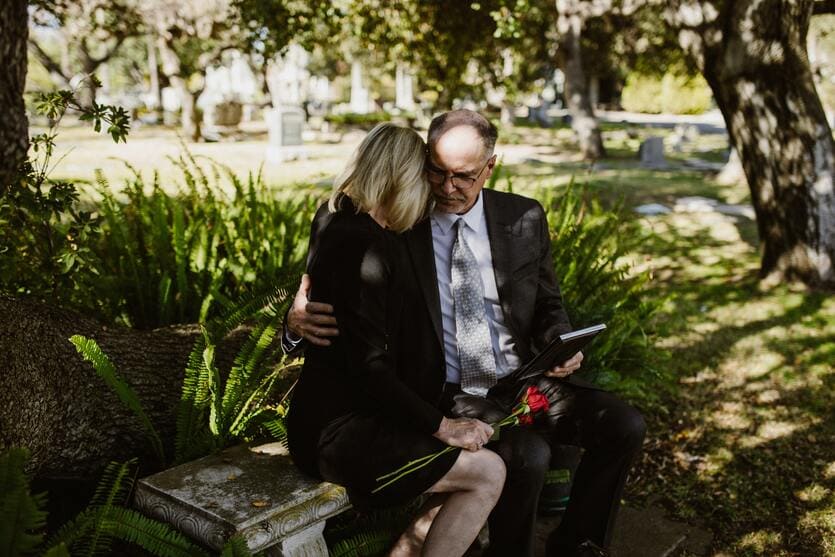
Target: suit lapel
(501, 250)
(419, 240)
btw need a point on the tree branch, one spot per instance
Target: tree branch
(51, 65)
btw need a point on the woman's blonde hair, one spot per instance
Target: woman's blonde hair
(386, 171)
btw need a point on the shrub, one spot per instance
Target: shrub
(672, 93)
(353, 119)
(589, 244)
(172, 258)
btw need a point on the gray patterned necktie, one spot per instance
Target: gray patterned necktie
(475, 350)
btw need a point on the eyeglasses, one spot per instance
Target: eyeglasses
(438, 176)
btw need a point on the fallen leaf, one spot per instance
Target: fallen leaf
(260, 503)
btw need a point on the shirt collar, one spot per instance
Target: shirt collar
(474, 218)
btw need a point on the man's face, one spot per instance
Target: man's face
(457, 169)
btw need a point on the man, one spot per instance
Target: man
(484, 263)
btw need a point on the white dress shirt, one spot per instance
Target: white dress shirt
(475, 234)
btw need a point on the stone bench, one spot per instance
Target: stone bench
(254, 491)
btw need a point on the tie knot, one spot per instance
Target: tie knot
(459, 225)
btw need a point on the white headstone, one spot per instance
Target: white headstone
(360, 96)
(403, 95)
(285, 125)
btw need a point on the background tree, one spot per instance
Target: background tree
(89, 33)
(14, 126)
(753, 56)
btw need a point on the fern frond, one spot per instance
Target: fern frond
(21, 514)
(155, 537)
(59, 550)
(111, 492)
(115, 484)
(74, 531)
(236, 547)
(364, 544)
(180, 257)
(90, 351)
(243, 379)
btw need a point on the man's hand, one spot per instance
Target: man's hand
(467, 433)
(312, 321)
(567, 368)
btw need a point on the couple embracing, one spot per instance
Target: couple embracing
(426, 290)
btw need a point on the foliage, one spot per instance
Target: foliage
(368, 534)
(271, 25)
(93, 531)
(364, 121)
(91, 33)
(166, 258)
(214, 413)
(43, 233)
(672, 93)
(21, 513)
(588, 247)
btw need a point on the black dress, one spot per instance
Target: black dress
(363, 407)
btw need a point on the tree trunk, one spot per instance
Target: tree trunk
(190, 116)
(754, 58)
(54, 403)
(583, 121)
(153, 72)
(14, 126)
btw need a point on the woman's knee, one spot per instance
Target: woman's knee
(493, 472)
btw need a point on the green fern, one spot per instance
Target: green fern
(203, 400)
(372, 543)
(236, 547)
(57, 551)
(155, 537)
(112, 490)
(21, 514)
(90, 351)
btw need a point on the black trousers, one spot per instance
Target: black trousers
(608, 429)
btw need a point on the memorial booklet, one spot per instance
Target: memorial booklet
(560, 349)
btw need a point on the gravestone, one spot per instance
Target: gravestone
(285, 125)
(361, 102)
(403, 93)
(651, 153)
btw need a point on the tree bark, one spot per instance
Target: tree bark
(583, 121)
(54, 403)
(14, 126)
(753, 56)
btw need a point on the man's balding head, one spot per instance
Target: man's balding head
(454, 118)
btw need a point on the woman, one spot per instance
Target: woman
(362, 407)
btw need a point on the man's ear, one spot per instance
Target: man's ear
(491, 164)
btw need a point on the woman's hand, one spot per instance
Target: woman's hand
(467, 433)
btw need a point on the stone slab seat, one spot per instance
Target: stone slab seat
(254, 491)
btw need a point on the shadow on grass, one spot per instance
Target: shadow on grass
(744, 446)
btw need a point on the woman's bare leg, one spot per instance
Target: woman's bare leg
(411, 541)
(471, 488)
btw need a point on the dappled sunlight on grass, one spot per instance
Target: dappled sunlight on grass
(745, 445)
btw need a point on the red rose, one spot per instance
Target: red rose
(526, 419)
(536, 400)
